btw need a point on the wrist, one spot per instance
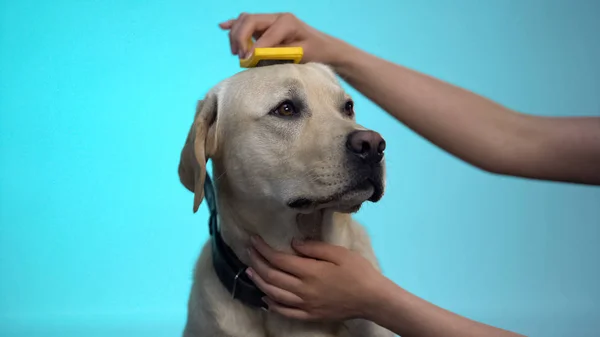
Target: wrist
(341, 54)
(379, 293)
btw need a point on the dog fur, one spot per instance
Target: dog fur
(261, 163)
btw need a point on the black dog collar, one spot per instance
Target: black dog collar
(230, 270)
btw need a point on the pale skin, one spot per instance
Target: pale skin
(333, 283)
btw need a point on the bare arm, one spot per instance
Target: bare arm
(327, 282)
(473, 128)
(409, 316)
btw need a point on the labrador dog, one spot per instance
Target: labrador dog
(289, 161)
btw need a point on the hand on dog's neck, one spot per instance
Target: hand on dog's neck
(241, 218)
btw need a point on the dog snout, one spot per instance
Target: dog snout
(367, 145)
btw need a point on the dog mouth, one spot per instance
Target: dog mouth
(348, 200)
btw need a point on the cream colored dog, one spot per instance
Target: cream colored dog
(289, 161)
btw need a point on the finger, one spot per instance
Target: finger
(233, 33)
(280, 31)
(277, 294)
(232, 46)
(273, 276)
(252, 25)
(320, 250)
(286, 311)
(226, 24)
(295, 265)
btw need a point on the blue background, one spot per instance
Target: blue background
(97, 235)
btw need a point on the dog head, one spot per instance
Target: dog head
(286, 135)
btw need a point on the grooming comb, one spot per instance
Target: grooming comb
(270, 56)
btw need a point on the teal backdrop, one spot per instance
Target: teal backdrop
(97, 235)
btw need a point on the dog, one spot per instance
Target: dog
(289, 161)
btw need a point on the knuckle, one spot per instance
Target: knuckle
(236, 33)
(278, 296)
(261, 270)
(264, 287)
(244, 18)
(269, 275)
(271, 293)
(288, 16)
(312, 274)
(257, 278)
(276, 309)
(239, 33)
(311, 308)
(310, 297)
(277, 259)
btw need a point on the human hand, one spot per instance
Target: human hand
(326, 283)
(280, 30)
(333, 283)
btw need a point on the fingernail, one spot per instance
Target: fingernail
(241, 54)
(264, 299)
(248, 54)
(249, 272)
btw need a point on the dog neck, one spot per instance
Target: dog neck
(276, 225)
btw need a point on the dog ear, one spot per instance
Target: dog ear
(199, 146)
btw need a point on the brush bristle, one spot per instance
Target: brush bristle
(263, 63)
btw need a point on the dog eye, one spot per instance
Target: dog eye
(285, 109)
(349, 108)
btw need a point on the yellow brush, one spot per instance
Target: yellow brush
(269, 56)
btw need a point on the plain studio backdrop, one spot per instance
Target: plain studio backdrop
(97, 235)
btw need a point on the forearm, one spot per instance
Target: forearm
(458, 121)
(409, 316)
(474, 128)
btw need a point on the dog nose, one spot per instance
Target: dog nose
(368, 145)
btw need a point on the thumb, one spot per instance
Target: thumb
(319, 250)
